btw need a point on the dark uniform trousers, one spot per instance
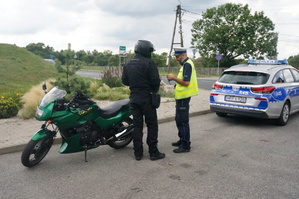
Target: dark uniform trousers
(182, 121)
(140, 107)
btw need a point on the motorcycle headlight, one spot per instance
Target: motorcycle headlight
(38, 113)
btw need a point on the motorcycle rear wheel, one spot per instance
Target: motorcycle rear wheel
(36, 150)
(124, 141)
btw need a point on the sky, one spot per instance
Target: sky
(107, 24)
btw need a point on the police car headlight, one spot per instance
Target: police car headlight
(38, 113)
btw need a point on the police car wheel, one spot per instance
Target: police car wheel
(284, 115)
(220, 114)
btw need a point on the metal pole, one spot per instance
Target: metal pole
(180, 21)
(218, 68)
(119, 63)
(173, 34)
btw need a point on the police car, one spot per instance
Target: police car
(262, 88)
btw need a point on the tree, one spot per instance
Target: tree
(160, 60)
(70, 83)
(113, 60)
(40, 49)
(231, 30)
(294, 61)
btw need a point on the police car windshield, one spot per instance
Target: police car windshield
(244, 77)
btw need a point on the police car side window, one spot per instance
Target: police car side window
(296, 74)
(288, 76)
(278, 78)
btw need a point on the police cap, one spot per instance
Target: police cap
(178, 51)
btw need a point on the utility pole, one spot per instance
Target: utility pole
(177, 15)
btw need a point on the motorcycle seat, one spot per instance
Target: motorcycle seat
(114, 108)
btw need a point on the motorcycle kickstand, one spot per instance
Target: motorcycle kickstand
(85, 152)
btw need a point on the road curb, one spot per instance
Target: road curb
(20, 147)
(171, 119)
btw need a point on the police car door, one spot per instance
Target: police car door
(295, 74)
(290, 87)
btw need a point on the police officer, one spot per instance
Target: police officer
(142, 76)
(186, 86)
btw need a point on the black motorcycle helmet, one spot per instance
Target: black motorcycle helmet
(144, 47)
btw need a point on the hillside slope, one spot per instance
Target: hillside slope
(20, 69)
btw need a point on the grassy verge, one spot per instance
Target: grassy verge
(20, 69)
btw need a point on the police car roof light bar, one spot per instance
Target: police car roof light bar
(254, 61)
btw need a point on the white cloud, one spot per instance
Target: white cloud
(105, 25)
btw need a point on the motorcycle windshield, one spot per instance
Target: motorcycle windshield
(54, 93)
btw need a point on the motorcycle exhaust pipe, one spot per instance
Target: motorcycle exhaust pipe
(125, 132)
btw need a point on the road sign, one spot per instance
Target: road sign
(218, 57)
(122, 51)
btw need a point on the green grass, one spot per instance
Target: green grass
(21, 69)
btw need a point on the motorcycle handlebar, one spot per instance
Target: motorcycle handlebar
(80, 101)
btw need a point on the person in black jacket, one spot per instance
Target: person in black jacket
(142, 76)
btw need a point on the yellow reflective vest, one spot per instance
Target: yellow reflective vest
(181, 91)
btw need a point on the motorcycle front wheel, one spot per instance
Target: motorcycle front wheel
(124, 141)
(36, 150)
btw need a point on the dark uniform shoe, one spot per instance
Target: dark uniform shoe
(138, 158)
(157, 155)
(178, 143)
(181, 150)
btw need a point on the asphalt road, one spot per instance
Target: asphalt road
(233, 157)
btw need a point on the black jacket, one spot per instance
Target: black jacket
(141, 75)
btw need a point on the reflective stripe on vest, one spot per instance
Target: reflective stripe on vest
(182, 92)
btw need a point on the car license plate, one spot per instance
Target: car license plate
(230, 98)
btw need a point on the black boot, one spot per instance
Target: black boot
(178, 143)
(157, 155)
(138, 155)
(138, 152)
(181, 150)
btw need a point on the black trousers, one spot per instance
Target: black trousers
(182, 121)
(142, 110)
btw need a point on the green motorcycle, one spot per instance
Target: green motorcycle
(81, 123)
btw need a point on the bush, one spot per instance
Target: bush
(94, 86)
(111, 78)
(73, 85)
(31, 99)
(9, 106)
(112, 94)
(168, 94)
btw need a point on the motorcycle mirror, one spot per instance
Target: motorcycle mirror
(44, 86)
